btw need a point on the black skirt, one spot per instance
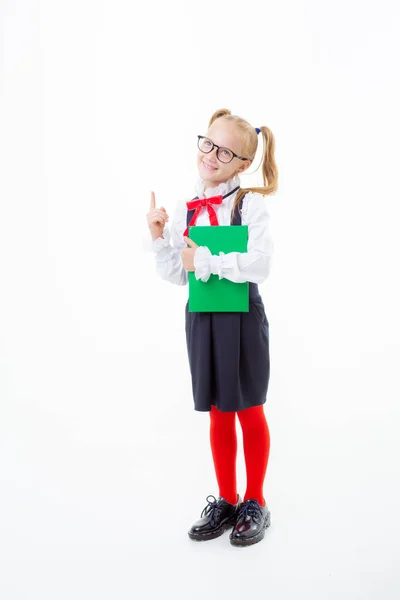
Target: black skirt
(229, 354)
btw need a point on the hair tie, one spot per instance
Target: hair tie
(257, 130)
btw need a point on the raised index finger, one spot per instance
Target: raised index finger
(153, 201)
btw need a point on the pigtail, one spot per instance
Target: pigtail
(269, 170)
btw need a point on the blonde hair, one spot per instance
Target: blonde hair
(249, 148)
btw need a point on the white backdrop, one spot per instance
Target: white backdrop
(104, 464)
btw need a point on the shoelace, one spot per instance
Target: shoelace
(251, 509)
(213, 508)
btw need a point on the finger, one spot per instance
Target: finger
(190, 242)
(158, 219)
(152, 201)
(158, 213)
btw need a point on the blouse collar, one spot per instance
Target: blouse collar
(220, 190)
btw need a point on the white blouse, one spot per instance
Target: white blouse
(253, 265)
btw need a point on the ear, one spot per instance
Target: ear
(245, 165)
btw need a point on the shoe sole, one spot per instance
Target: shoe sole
(254, 539)
(203, 537)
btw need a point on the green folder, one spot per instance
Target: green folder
(218, 295)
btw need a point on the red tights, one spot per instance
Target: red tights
(256, 443)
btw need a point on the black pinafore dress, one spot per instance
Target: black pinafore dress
(229, 352)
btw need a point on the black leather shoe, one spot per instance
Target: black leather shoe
(251, 523)
(215, 518)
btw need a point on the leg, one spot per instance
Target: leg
(224, 450)
(256, 444)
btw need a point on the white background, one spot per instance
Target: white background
(104, 464)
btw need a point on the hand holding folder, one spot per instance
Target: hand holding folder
(219, 295)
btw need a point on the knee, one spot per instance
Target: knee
(221, 419)
(253, 418)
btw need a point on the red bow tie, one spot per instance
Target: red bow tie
(198, 205)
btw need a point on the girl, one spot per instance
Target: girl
(228, 351)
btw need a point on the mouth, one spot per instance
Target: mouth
(208, 167)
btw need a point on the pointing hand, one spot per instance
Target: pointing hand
(156, 218)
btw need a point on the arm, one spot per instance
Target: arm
(253, 265)
(168, 256)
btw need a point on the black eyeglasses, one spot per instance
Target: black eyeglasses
(224, 155)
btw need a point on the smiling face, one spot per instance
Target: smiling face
(213, 171)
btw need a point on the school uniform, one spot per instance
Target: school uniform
(228, 352)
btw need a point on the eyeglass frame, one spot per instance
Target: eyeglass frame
(218, 147)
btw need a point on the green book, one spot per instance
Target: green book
(218, 295)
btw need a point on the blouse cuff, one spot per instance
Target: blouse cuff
(207, 264)
(161, 242)
(202, 263)
(217, 263)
